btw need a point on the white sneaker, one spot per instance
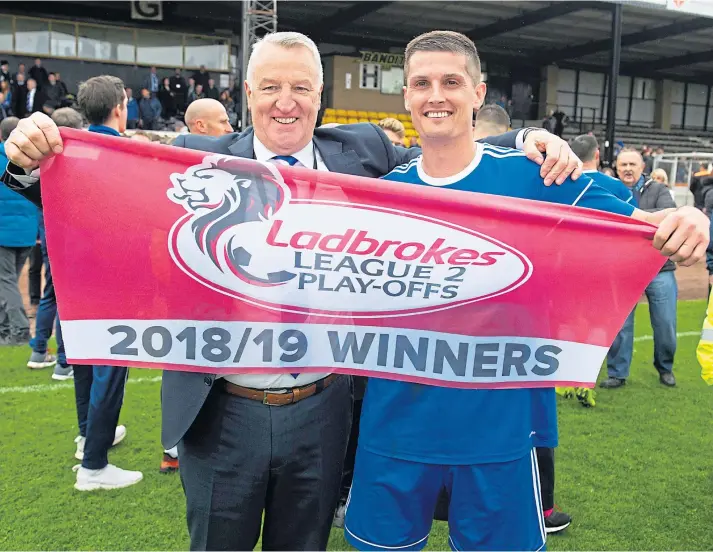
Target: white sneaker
(109, 477)
(119, 435)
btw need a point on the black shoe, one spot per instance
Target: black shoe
(557, 521)
(667, 379)
(612, 383)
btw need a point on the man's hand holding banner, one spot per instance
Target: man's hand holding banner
(174, 259)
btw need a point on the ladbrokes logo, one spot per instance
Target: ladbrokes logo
(244, 235)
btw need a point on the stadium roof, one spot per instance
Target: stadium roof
(656, 42)
(660, 38)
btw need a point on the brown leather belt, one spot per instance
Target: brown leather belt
(280, 399)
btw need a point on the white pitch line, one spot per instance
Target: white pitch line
(41, 388)
(70, 385)
(680, 334)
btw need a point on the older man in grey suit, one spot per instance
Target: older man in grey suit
(256, 443)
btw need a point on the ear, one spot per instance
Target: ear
(481, 90)
(248, 93)
(406, 102)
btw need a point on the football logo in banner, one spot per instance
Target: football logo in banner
(244, 235)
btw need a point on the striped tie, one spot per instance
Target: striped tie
(285, 160)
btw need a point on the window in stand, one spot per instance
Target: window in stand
(32, 36)
(62, 39)
(392, 80)
(6, 33)
(106, 44)
(211, 52)
(157, 48)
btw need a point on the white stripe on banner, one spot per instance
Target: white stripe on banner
(41, 388)
(405, 354)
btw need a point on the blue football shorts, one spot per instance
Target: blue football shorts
(492, 506)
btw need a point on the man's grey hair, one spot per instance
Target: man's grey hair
(67, 117)
(446, 41)
(98, 96)
(584, 147)
(7, 125)
(286, 40)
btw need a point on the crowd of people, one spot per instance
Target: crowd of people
(334, 452)
(24, 92)
(161, 102)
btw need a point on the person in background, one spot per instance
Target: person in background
(704, 351)
(662, 292)
(201, 77)
(62, 87)
(6, 103)
(190, 91)
(5, 72)
(586, 148)
(39, 73)
(19, 96)
(18, 233)
(199, 93)
(167, 99)
(179, 88)
(99, 390)
(35, 98)
(141, 136)
(207, 117)
(394, 130)
(211, 91)
(149, 110)
(47, 317)
(660, 176)
(53, 95)
(4, 112)
(151, 82)
(132, 110)
(488, 118)
(20, 71)
(608, 171)
(227, 101)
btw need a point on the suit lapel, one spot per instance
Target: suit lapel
(338, 160)
(243, 146)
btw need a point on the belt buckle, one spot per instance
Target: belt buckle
(266, 399)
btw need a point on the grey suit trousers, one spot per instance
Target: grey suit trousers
(241, 458)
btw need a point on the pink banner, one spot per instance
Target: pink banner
(182, 260)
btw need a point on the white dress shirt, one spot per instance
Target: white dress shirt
(31, 99)
(305, 158)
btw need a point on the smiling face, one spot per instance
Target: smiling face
(441, 94)
(284, 97)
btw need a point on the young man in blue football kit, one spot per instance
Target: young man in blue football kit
(416, 439)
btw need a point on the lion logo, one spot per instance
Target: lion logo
(221, 194)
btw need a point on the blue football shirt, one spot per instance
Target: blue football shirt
(612, 185)
(440, 425)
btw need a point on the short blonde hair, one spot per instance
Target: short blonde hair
(660, 173)
(394, 125)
